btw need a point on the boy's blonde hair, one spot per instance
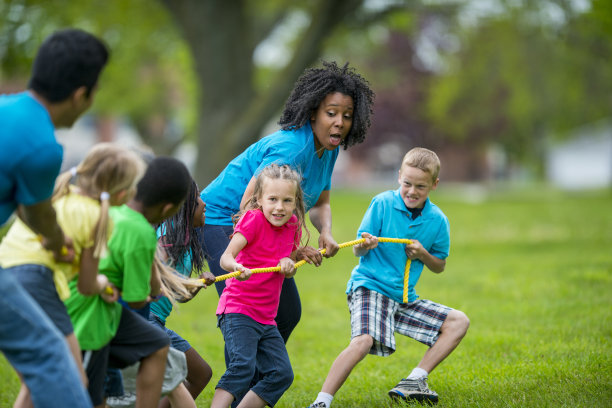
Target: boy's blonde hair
(107, 168)
(423, 159)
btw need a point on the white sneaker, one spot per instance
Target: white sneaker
(319, 404)
(414, 389)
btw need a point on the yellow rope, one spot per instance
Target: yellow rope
(322, 251)
(406, 275)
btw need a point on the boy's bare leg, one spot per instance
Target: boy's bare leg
(181, 398)
(357, 349)
(452, 331)
(221, 399)
(252, 400)
(150, 379)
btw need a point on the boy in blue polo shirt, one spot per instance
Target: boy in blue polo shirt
(381, 302)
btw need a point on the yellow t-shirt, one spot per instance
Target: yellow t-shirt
(77, 215)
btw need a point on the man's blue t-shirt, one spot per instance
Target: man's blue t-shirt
(30, 157)
(382, 269)
(293, 147)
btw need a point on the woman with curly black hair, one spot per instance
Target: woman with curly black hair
(329, 107)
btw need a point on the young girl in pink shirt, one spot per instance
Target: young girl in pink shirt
(267, 234)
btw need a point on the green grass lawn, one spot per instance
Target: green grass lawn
(531, 269)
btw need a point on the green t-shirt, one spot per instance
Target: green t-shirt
(131, 249)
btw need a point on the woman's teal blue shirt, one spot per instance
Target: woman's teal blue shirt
(293, 147)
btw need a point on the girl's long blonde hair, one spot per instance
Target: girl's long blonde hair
(175, 286)
(107, 169)
(280, 172)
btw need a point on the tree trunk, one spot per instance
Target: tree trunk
(221, 38)
(217, 33)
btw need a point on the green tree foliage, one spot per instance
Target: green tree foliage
(203, 56)
(149, 76)
(523, 74)
(510, 77)
(237, 102)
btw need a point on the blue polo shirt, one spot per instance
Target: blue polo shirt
(382, 269)
(30, 157)
(293, 147)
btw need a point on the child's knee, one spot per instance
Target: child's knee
(203, 377)
(159, 354)
(458, 321)
(284, 378)
(464, 320)
(199, 371)
(362, 343)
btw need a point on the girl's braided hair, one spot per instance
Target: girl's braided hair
(315, 84)
(180, 236)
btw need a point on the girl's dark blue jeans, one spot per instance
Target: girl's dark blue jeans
(250, 346)
(215, 239)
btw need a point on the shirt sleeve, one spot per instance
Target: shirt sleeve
(441, 245)
(249, 223)
(137, 275)
(79, 220)
(372, 220)
(35, 175)
(279, 152)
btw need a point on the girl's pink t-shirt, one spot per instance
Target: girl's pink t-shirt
(258, 296)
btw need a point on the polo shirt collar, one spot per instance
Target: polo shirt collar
(398, 204)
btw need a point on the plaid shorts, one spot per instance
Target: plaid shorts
(375, 314)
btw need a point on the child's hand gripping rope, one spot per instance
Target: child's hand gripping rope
(66, 252)
(110, 293)
(322, 251)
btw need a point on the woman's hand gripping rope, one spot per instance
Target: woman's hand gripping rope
(322, 251)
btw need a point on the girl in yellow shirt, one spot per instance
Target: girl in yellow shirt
(106, 177)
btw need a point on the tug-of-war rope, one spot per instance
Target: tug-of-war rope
(322, 251)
